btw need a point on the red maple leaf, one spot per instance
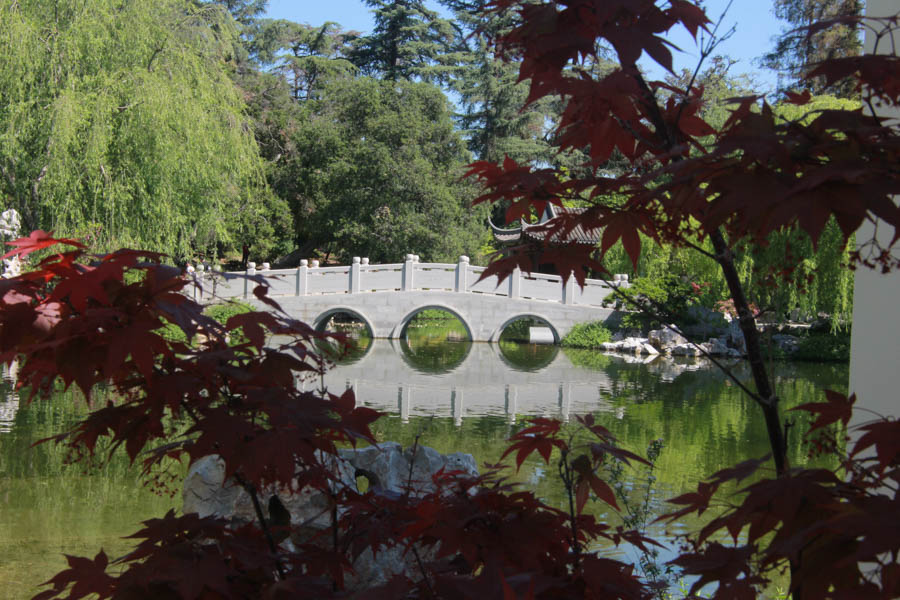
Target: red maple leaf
(37, 240)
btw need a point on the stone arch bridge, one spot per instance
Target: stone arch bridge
(387, 296)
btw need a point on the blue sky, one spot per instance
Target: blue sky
(754, 21)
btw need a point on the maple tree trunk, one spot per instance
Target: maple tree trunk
(766, 397)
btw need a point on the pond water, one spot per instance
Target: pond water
(456, 396)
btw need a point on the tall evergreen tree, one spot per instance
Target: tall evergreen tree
(244, 12)
(795, 52)
(489, 96)
(306, 56)
(409, 41)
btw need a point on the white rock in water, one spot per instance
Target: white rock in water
(649, 349)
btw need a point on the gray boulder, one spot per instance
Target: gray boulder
(665, 339)
(787, 343)
(387, 466)
(389, 463)
(685, 350)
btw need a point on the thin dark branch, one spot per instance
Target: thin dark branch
(251, 491)
(412, 462)
(415, 551)
(699, 249)
(705, 52)
(663, 317)
(566, 475)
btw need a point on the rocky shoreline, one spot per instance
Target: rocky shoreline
(669, 341)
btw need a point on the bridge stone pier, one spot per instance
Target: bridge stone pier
(387, 296)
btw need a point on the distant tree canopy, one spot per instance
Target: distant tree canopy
(119, 121)
(795, 52)
(379, 168)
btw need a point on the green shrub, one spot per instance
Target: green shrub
(813, 347)
(663, 299)
(223, 312)
(587, 335)
(219, 312)
(824, 347)
(434, 315)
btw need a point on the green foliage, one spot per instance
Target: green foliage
(220, 312)
(665, 298)
(824, 347)
(587, 335)
(377, 169)
(409, 41)
(119, 119)
(494, 117)
(226, 310)
(434, 315)
(519, 330)
(305, 57)
(819, 283)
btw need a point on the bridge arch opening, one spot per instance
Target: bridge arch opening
(434, 339)
(447, 322)
(517, 328)
(355, 330)
(517, 338)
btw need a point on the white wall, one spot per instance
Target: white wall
(875, 346)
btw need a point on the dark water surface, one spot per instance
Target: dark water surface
(456, 396)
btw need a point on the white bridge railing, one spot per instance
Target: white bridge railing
(309, 279)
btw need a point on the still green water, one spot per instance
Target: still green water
(48, 508)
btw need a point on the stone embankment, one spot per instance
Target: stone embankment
(670, 341)
(388, 468)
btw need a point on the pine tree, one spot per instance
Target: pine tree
(304, 55)
(409, 41)
(490, 99)
(795, 52)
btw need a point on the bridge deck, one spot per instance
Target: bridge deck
(387, 296)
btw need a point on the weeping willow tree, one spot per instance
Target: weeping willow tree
(119, 122)
(818, 281)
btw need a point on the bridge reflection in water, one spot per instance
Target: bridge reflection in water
(482, 379)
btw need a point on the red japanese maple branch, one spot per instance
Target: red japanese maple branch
(565, 474)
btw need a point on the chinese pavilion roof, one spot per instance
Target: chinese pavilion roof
(543, 231)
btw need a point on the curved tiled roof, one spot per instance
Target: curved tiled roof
(540, 231)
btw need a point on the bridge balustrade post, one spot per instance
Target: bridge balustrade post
(515, 283)
(462, 274)
(568, 293)
(302, 278)
(354, 276)
(251, 270)
(511, 402)
(408, 268)
(456, 401)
